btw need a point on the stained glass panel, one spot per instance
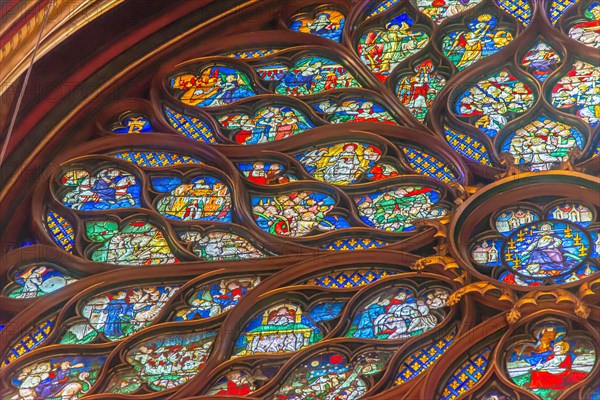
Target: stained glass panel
(353, 110)
(439, 11)
(266, 173)
(131, 122)
(118, 314)
(558, 7)
(520, 9)
(241, 382)
(204, 198)
(467, 146)
(313, 75)
(212, 87)
(349, 278)
(419, 193)
(254, 53)
(266, 125)
(166, 362)
(482, 39)
(355, 243)
(419, 361)
(272, 72)
(212, 300)
(579, 88)
(281, 328)
(382, 6)
(330, 370)
(32, 339)
(539, 243)
(398, 314)
(61, 230)
(191, 127)
(57, 377)
(136, 243)
(418, 91)
(106, 189)
(551, 364)
(293, 214)
(587, 32)
(395, 209)
(220, 246)
(491, 102)
(541, 61)
(543, 144)
(341, 163)
(383, 49)
(156, 159)
(37, 280)
(428, 165)
(326, 23)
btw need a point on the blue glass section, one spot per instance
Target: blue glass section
(326, 311)
(165, 184)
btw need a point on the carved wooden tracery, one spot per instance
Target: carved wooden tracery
(417, 304)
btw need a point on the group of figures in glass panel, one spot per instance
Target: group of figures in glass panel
(307, 218)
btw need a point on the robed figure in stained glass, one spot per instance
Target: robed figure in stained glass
(546, 251)
(555, 371)
(117, 311)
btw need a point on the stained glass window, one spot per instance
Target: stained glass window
(327, 23)
(529, 366)
(344, 200)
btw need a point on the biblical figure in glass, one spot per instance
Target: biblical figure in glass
(215, 86)
(38, 280)
(268, 124)
(493, 100)
(354, 110)
(107, 189)
(543, 144)
(204, 198)
(119, 314)
(580, 88)
(553, 363)
(341, 163)
(327, 23)
(546, 248)
(214, 299)
(395, 209)
(588, 32)
(483, 39)
(313, 75)
(418, 91)
(221, 246)
(541, 61)
(382, 49)
(137, 243)
(293, 214)
(398, 314)
(64, 378)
